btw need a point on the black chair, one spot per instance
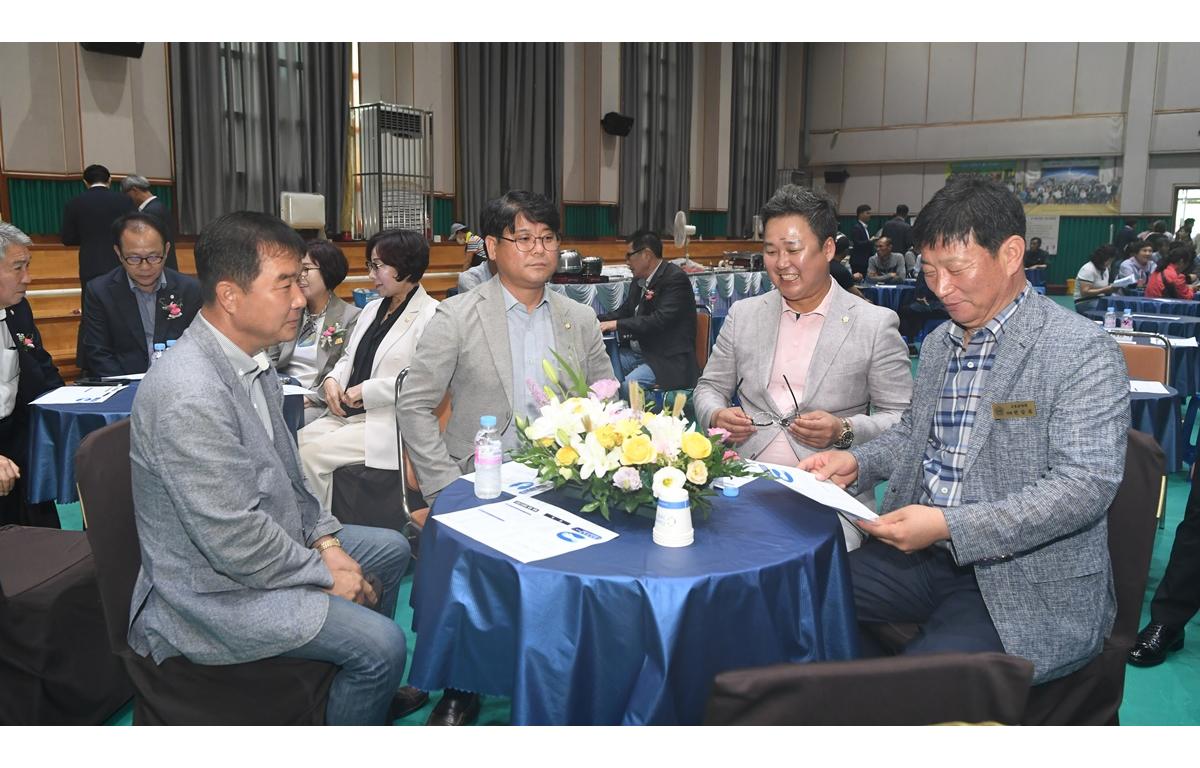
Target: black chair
(900, 690)
(276, 691)
(1092, 695)
(56, 666)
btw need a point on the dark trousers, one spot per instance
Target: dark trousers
(1178, 595)
(925, 588)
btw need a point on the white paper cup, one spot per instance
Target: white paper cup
(673, 523)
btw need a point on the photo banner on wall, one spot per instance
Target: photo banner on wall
(1067, 187)
(1073, 187)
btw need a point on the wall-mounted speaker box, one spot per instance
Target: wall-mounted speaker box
(836, 177)
(128, 50)
(616, 125)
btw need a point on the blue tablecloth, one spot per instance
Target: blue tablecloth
(1036, 277)
(1158, 416)
(891, 296)
(1150, 306)
(1167, 325)
(55, 432)
(628, 631)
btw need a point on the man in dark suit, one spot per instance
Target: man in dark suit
(659, 312)
(26, 371)
(137, 188)
(87, 222)
(137, 305)
(899, 231)
(861, 246)
(1125, 235)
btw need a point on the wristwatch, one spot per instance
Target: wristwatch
(846, 439)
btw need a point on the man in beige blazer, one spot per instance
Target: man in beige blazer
(485, 348)
(812, 365)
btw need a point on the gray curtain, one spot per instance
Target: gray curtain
(656, 91)
(510, 108)
(253, 120)
(754, 135)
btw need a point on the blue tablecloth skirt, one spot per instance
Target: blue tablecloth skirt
(1158, 416)
(55, 432)
(628, 631)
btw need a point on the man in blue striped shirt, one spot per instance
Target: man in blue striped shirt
(1001, 472)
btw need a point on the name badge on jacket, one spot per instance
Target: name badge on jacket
(1024, 409)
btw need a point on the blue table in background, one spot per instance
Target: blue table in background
(891, 296)
(1168, 325)
(1158, 416)
(627, 631)
(1146, 306)
(55, 432)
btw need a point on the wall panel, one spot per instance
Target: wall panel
(999, 69)
(1049, 85)
(825, 86)
(906, 81)
(862, 91)
(951, 82)
(1100, 79)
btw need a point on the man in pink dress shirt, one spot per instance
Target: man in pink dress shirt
(813, 366)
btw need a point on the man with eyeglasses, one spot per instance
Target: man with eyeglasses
(484, 349)
(659, 312)
(137, 305)
(813, 366)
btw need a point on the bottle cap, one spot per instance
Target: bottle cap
(170, 343)
(160, 345)
(487, 422)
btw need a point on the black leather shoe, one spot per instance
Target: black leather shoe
(455, 708)
(1153, 644)
(406, 701)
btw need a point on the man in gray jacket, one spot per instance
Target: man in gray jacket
(239, 561)
(1001, 472)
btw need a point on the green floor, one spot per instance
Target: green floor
(1165, 695)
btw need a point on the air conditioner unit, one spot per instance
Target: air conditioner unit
(300, 210)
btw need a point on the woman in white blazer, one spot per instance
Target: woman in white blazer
(360, 425)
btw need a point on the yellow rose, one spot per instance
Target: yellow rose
(566, 456)
(608, 436)
(546, 442)
(696, 445)
(637, 450)
(697, 473)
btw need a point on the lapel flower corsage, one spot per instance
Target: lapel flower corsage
(333, 336)
(173, 308)
(648, 295)
(25, 341)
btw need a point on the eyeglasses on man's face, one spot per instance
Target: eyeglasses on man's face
(136, 261)
(526, 243)
(760, 419)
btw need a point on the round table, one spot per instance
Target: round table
(1158, 416)
(628, 632)
(891, 296)
(1146, 306)
(55, 432)
(1168, 325)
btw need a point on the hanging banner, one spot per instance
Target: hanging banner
(1072, 187)
(1003, 171)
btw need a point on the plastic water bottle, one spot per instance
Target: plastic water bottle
(1110, 318)
(488, 456)
(1127, 320)
(159, 349)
